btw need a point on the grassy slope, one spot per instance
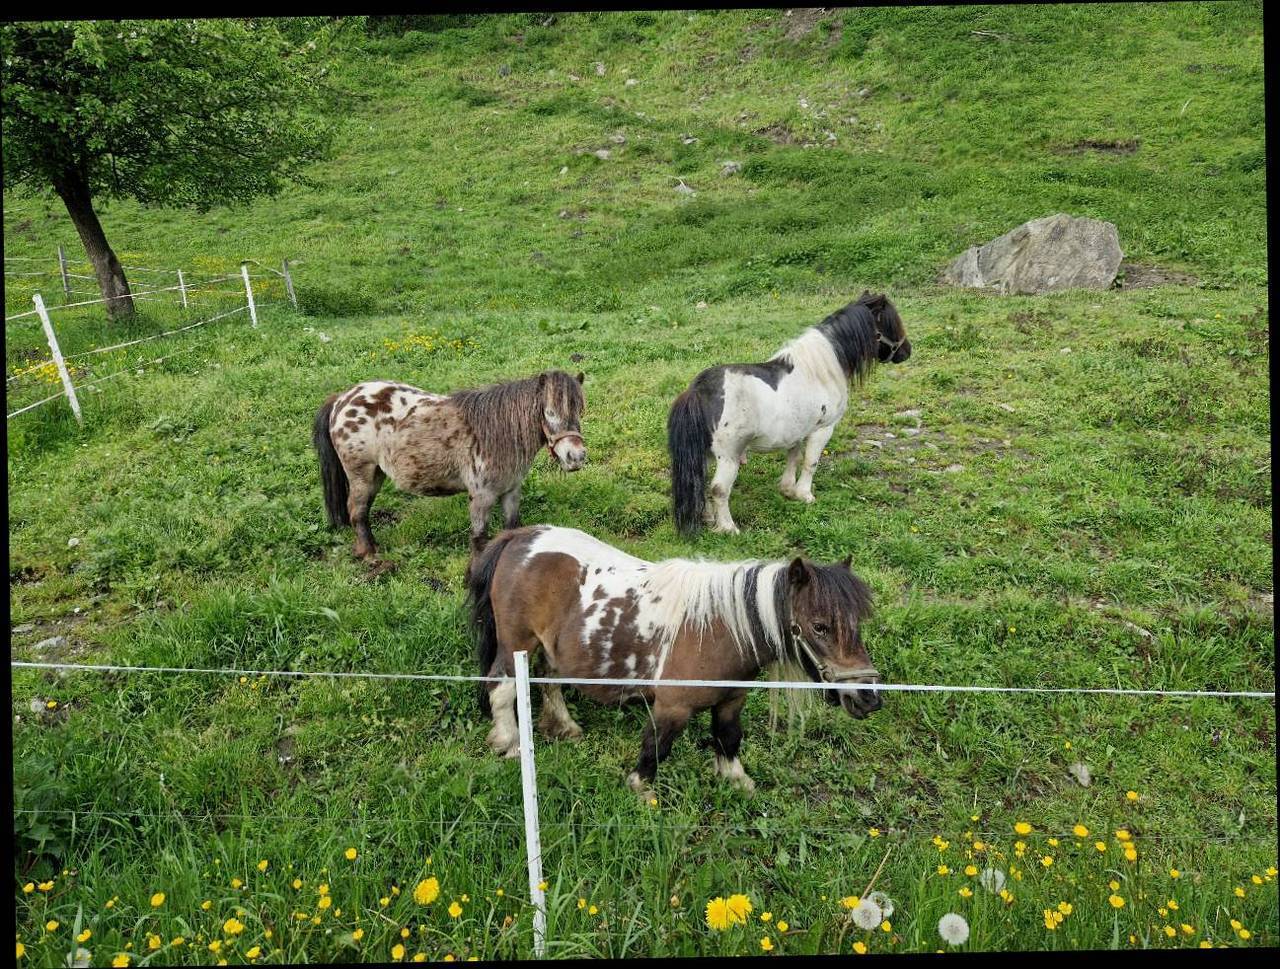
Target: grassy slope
(1127, 489)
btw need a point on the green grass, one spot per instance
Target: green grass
(1109, 523)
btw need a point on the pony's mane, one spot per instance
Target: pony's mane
(840, 349)
(506, 418)
(743, 595)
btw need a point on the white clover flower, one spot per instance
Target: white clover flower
(867, 915)
(884, 901)
(953, 929)
(992, 879)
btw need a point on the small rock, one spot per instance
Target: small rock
(51, 643)
(564, 170)
(730, 168)
(632, 82)
(574, 77)
(599, 69)
(26, 627)
(684, 189)
(911, 431)
(953, 468)
(831, 136)
(864, 92)
(1065, 350)
(1008, 407)
(604, 154)
(618, 138)
(687, 139)
(1081, 773)
(702, 304)
(888, 436)
(72, 542)
(913, 412)
(325, 338)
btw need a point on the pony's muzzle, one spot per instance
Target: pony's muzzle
(860, 704)
(571, 453)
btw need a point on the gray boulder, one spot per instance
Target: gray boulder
(1042, 256)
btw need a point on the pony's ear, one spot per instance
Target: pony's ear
(582, 377)
(798, 573)
(542, 381)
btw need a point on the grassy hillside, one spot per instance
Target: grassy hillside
(1069, 490)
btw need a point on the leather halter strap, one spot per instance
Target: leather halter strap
(554, 439)
(891, 344)
(824, 669)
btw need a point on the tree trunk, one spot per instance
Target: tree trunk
(111, 281)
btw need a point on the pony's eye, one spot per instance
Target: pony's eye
(821, 628)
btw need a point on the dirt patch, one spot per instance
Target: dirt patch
(779, 134)
(801, 21)
(1126, 146)
(1135, 275)
(1030, 321)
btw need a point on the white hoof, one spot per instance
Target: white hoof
(730, 529)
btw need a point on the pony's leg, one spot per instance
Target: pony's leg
(726, 738)
(511, 508)
(556, 720)
(364, 482)
(665, 723)
(481, 504)
(787, 483)
(721, 485)
(504, 735)
(813, 446)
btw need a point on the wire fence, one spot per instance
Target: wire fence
(190, 289)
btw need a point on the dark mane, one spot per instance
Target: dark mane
(851, 331)
(506, 418)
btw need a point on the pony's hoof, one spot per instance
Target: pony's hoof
(729, 529)
(555, 730)
(638, 784)
(805, 496)
(745, 784)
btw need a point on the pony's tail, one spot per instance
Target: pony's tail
(688, 441)
(484, 628)
(332, 474)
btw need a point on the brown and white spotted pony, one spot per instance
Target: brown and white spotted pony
(480, 441)
(791, 402)
(596, 612)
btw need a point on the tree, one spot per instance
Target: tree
(190, 113)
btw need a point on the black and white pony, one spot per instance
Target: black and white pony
(791, 402)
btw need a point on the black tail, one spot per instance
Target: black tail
(484, 629)
(332, 474)
(688, 441)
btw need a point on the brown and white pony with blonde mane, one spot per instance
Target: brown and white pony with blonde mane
(480, 441)
(596, 612)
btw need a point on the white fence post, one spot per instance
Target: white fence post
(248, 291)
(182, 286)
(529, 781)
(57, 358)
(288, 283)
(66, 283)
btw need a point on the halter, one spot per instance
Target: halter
(824, 669)
(554, 439)
(892, 345)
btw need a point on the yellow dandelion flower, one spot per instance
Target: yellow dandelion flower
(236, 883)
(582, 903)
(419, 957)
(873, 832)
(1206, 944)
(739, 908)
(120, 961)
(215, 945)
(860, 947)
(1174, 873)
(1064, 908)
(542, 886)
(46, 886)
(1123, 835)
(397, 951)
(970, 870)
(944, 870)
(766, 944)
(254, 952)
(454, 910)
(1131, 795)
(322, 889)
(1187, 930)
(1130, 853)
(1100, 845)
(766, 916)
(324, 902)
(717, 914)
(966, 892)
(782, 926)
(84, 936)
(1049, 923)
(180, 941)
(1080, 831)
(427, 891)
(851, 901)
(1257, 880)
(1116, 901)
(1053, 842)
(358, 934)
(1022, 827)
(1272, 871)
(592, 910)
(1047, 860)
(28, 888)
(350, 854)
(1239, 892)
(1244, 933)
(1236, 925)
(886, 926)
(206, 905)
(262, 865)
(232, 926)
(51, 925)
(1114, 885)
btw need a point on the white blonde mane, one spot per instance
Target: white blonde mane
(811, 353)
(696, 592)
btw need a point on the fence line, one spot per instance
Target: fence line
(154, 336)
(628, 682)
